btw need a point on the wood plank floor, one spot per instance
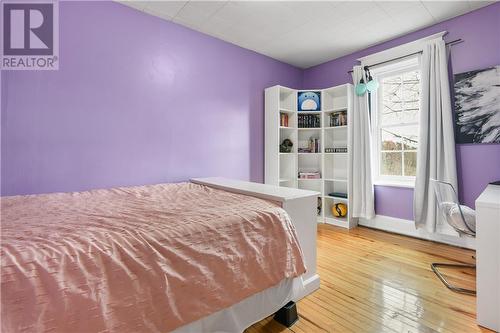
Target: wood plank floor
(372, 281)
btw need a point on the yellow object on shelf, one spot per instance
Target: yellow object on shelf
(339, 210)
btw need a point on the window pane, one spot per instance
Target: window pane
(409, 136)
(391, 94)
(397, 122)
(391, 164)
(391, 87)
(389, 141)
(400, 98)
(411, 94)
(399, 137)
(410, 163)
(397, 114)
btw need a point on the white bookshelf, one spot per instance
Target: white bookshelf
(282, 169)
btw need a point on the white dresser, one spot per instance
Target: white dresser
(488, 257)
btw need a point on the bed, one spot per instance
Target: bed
(189, 257)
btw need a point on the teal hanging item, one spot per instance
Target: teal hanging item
(372, 84)
(361, 87)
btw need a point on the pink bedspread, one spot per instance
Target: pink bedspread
(138, 259)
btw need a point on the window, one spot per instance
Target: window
(395, 116)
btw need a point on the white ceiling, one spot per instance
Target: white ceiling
(306, 33)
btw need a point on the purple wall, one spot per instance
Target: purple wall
(477, 164)
(137, 100)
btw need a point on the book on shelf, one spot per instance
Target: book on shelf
(309, 175)
(313, 146)
(283, 120)
(338, 119)
(309, 121)
(336, 150)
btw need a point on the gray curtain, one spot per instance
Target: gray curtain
(436, 149)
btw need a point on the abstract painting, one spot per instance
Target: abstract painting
(477, 106)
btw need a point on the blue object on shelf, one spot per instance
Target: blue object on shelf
(309, 101)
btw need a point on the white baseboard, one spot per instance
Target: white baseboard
(407, 227)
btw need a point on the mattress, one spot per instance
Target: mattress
(149, 258)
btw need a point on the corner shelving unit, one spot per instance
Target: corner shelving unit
(282, 169)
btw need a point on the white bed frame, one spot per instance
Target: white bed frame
(301, 206)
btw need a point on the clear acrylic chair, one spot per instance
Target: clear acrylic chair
(461, 218)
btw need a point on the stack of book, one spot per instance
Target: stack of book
(309, 121)
(283, 120)
(338, 119)
(309, 175)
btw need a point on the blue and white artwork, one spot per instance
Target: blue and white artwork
(477, 106)
(309, 100)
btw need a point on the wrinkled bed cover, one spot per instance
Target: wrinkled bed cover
(148, 258)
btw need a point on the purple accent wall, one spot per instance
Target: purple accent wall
(136, 100)
(477, 164)
(140, 100)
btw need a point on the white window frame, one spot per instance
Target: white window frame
(394, 68)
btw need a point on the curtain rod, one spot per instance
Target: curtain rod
(453, 42)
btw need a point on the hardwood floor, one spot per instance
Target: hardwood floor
(372, 281)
